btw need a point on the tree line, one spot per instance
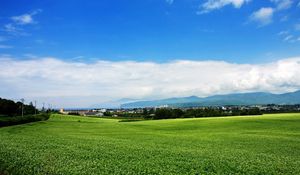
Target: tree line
(11, 113)
(11, 108)
(168, 113)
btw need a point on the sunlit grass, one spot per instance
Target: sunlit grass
(268, 144)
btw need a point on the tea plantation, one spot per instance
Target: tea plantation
(268, 144)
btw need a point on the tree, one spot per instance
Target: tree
(145, 112)
(8, 107)
(163, 113)
(177, 113)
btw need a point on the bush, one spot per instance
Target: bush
(8, 121)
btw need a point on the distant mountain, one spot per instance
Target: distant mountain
(169, 101)
(221, 100)
(113, 104)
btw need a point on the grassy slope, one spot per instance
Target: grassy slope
(268, 144)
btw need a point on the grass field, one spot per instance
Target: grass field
(268, 144)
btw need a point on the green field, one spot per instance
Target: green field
(268, 144)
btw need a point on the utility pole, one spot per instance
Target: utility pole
(43, 107)
(35, 107)
(22, 100)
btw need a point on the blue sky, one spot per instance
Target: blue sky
(83, 53)
(155, 30)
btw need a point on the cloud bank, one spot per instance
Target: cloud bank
(85, 84)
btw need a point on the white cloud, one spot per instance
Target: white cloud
(287, 36)
(2, 46)
(87, 84)
(263, 16)
(15, 28)
(11, 28)
(211, 5)
(23, 19)
(26, 18)
(282, 33)
(282, 4)
(170, 1)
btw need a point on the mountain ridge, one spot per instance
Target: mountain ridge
(253, 98)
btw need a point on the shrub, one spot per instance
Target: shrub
(8, 121)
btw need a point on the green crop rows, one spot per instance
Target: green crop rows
(268, 144)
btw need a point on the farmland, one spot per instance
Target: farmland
(268, 144)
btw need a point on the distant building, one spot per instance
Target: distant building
(163, 106)
(100, 114)
(91, 113)
(62, 111)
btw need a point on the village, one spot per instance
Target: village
(117, 112)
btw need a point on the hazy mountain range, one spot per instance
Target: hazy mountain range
(220, 100)
(113, 104)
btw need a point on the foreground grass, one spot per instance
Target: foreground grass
(268, 144)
